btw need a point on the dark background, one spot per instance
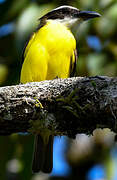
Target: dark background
(97, 55)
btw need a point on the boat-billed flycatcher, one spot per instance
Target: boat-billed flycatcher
(51, 53)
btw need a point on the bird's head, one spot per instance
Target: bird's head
(68, 15)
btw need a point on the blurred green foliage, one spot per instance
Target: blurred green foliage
(93, 59)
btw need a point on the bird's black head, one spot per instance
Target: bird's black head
(61, 12)
(69, 15)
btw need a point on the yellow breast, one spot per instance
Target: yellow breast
(48, 53)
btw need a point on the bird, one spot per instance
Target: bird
(51, 53)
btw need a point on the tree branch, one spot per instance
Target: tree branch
(63, 106)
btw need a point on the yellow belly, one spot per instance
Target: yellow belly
(48, 53)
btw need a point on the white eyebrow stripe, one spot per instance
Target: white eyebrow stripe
(62, 7)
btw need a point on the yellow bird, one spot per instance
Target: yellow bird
(49, 54)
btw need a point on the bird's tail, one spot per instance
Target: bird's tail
(43, 155)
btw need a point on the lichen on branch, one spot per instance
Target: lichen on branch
(67, 106)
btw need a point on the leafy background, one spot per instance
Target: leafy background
(97, 55)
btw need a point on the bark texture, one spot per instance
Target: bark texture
(61, 106)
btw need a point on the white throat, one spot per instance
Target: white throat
(68, 22)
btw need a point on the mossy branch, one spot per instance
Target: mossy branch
(61, 106)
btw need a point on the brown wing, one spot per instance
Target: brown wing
(73, 64)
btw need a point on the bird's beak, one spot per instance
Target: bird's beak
(85, 15)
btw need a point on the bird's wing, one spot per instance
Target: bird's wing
(73, 64)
